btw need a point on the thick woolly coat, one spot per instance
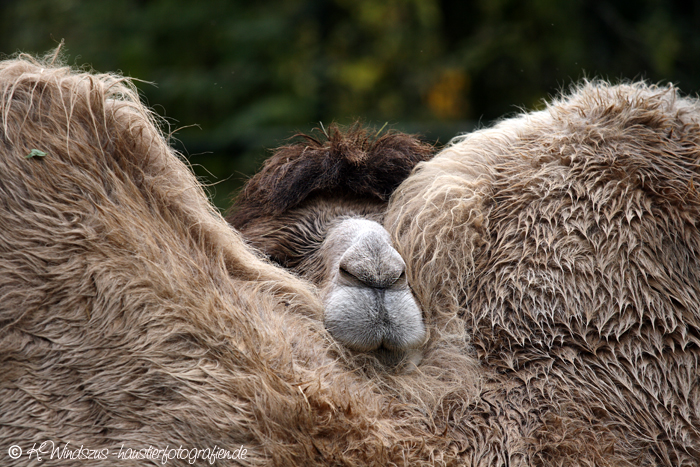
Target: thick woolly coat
(559, 251)
(566, 241)
(555, 256)
(132, 315)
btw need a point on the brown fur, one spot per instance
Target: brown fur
(562, 244)
(345, 163)
(566, 243)
(130, 313)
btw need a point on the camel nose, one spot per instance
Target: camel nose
(372, 261)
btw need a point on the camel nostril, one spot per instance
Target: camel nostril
(402, 275)
(346, 272)
(376, 279)
(360, 275)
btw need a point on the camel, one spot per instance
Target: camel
(568, 242)
(316, 208)
(561, 247)
(552, 257)
(137, 327)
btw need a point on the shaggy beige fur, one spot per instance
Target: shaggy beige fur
(130, 313)
(565, 243)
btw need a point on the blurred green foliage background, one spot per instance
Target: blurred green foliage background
(239, 77)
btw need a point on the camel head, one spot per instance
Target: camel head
(316, 208)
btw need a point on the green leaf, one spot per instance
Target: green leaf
(36, 153)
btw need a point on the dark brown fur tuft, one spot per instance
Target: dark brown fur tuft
(341, 163)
